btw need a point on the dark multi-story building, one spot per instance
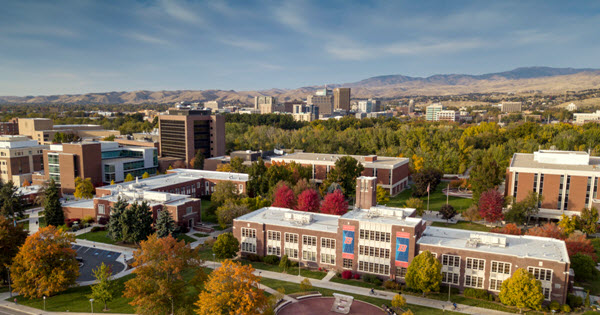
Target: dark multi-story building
(9, 128)
(20, 157)
(186, 130)
(341, 98)
(383, 241)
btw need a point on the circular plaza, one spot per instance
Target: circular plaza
(327, 305)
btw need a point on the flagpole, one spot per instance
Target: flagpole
(428, 197)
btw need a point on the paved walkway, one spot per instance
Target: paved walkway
(34, 219)
(329, 275)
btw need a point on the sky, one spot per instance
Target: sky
(84, 46)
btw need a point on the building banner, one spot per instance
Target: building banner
(348, 247)
(402, 247)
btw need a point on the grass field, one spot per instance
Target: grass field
(436, 200)
(200, 235)
(186, 238)
(313, 274)
(205, 216)
(99, 237)
(463, 225)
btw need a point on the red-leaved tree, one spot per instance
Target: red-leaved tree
(547, 230)
(309, 201)
(334, 203)
(510, 228)
(578, 243)
(284, 197)
(490, 205)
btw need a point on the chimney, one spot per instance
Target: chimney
(366, 192)
(370, 158)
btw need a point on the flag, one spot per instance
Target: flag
(428, 187)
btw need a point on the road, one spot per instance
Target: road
(8, 311)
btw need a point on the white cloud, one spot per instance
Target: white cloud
(246, 44)
(179, 12)
(148, 39)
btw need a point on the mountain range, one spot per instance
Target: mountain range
(520, 80)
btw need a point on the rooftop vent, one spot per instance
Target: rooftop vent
(297, 218)
(491, 240)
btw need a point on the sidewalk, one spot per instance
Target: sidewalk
(34, 219)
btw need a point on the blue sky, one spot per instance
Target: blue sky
(81, 46)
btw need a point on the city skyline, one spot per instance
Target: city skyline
(79, 47)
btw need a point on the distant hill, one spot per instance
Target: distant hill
(526, 79)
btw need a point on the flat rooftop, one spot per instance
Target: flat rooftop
(381, 161)
(527, 160)
(293, 218)
(522, 246)
(384, 215)
(83, 203)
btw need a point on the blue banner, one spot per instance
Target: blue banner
(348, 246)
(402, 247)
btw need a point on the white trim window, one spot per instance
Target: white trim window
(101, 209)
(291, 252)
(327, 243)
(501, 267)
(475, 264)
(495, 284)
(248, 247)
(451, 260)
(328, 259)
(274, 235)
(450, 277)
(473, 282)
(250, 233)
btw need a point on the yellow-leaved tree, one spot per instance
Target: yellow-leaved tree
(232, 289)
(45, 264)
(84, 189)
(522, 290)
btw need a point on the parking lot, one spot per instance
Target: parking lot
(94, 257)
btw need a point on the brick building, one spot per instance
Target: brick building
(567, 180)
(8, 128)
(20, 157)
(383, 241)
(43, 130)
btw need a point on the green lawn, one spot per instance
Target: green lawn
(25, 225)
(436, 200)
(200, 235)
(186, 238)
(99, 237)
(356, 283)
(291, 287)
(211, 218)
(463, 225)
(313, 274)
(42, 222)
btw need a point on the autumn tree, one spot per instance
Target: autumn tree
(160, 265)
(424, 273)
(302, 185)
(522, 211)
(84, 189)
(10, 201)
(522, 290)
(588, 220)
(225, 190)
(165, 225)
(11, 238)
(232, 289)
(345, 172)
(471, 214)
(511, 229)
(115, 228)
(53, 211)
(383, 195)
(226, 246)
(229, 211)
(145, 175)
(490, 205)
(45, 264)
(104, 290)
(198, 162)
(447, 211)
(398, 301)
(578, 243)
(309, 200)
(284, 197)
(567, 224)
(334, 203)
(305, 285)
(485, 175)
(427, 178)
(417, 204)
(546, 230)
(129, 178)
(237, 165)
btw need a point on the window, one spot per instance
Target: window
(401, 272)
(328, 259)
(274, 235)
(189, 210)
(546, 292)
(246, 232)
(291, 238)
(291, 252)
(473, 282)
(248, 247)
(101, 209)
(327, 243)
(475, 264)
(274, 250)
(375, 236)
(516, 185)
(450, 277)
(309, 240)
(501, 267)
(347, 263)
(451, 260)
(495, 285)
(373, 268)
(309, 255)
(374, 251)
(541, 273)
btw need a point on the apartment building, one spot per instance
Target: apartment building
(185, 130)
(341, 98)
(567, 180)
(447, 115)
(214, 105)
(391, 172)
(307, 113)
(582, 118)
(382, 241)
(368, 106)
(510, 107)
(8, 128)
(20, 157)
(323, 102)
(432, 110)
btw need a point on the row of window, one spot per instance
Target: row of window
(475, 264)
(248, 247)
(473, 281)
(274, 235)
(373, 267)
(541, 273)
(309, 255)
(309, 240)
(291, 238)
(450, 277)
(274, 250)
(328, 259)
(291, 252)
(451, 260)
(374, 251)
(375, 236)
(246, 232)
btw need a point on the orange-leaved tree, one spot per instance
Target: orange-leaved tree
(232, 289)
(11, 238)
(159, 286)
(45, 264)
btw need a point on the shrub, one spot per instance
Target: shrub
(253, 257)
(477, 293)
(453, 290)
(346, 274)
(566, 308)
(305, 285)
(391, 285)
(271, 260)
(371, 279)
(356, 276)
(574, 301)
(103, 220)
(98, 228)
(284, 263)
(583, 266)
(554, 306)
(209, 242)
(88, 219)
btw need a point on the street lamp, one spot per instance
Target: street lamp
(44, 303)
(259, 279)
(92, 304)
(214, 261)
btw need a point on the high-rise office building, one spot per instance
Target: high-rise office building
(341, 98)
(432, 110)
(265, 104)
(184, 130)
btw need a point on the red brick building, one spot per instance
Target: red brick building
(9, 128)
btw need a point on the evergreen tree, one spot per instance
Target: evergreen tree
(165, 225)
(345, 172)
(143, 222)
(10, 201)
(486, 175)
(115, 228)
(258, 184)
(52, 207)
(199, 160)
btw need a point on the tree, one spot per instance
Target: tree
(546, 230)
(522, 290)
(224, 191)
(115, 226)
(129, 178)
(224, 168)
(345, 172)
(284, 197)
(511, 229)
(104, 290)
(486, 175)
(136, 223)
(11, 238)
(229, 211)
(428, 178)
(588, 220)
(303, 185)
(257, 183)
(417, 204)
(232, 289)
(112, 181)
(309, 200)
(10, 201)
(490, 205)
(198, 162)
(424, 273)
(567, 224)
(447, 211)
(165, 225)
(52, 207)
(398, 301)
(160, 265)
(334, 203)
(226, 246)
(284, 263)
(584, 267)
(578, 243)
(84, 189)
(45, 264)
(521, 211)
(383, 195)
(305, 285)
(237, 165)
(471, 214)
(145, 175)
